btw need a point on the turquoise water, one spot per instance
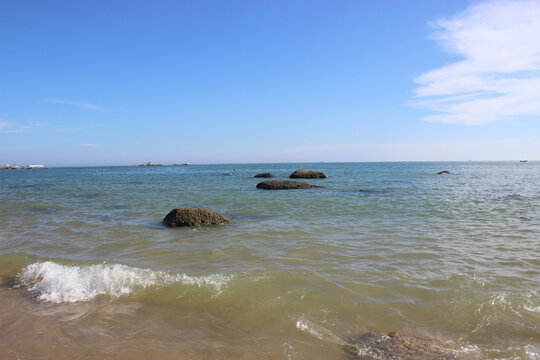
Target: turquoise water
(384, 247)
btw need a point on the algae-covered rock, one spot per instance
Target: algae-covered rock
(265, 175)
(307, 174)
(194, 217)
(394, 346)
(285, 185)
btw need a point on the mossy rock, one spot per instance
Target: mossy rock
(307, 174)
(265, 175)
(194, 217)
(394, 346)
(285, 185)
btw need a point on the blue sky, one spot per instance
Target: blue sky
(125, 82)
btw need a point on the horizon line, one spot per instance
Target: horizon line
(301, 162)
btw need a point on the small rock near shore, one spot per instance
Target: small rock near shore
(285, 185)
(443, 172)
(265, 175)
(307, 174)
(194, 217)
(395, 345)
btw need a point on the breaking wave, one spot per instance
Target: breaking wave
(58, 283)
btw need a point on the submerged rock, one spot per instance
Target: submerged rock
(285, 185)
(371, 191)
(265, 175)
(307, 174)
(394, 346)
(194, 217)
(443, 172)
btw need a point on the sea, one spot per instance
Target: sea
(89, 271)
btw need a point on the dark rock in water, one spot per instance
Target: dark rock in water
(193, 217)
(394, 346)
(369, 191)
(285, 185)
(307, 174)
(366, 191)
(443, 172)
(265, 175)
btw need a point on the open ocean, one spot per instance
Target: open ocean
(88, 271)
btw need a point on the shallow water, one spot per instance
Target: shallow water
(88, 267)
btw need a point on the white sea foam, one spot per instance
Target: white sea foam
(60, 283)
(304, 325)
(318, 331)
(532, 352)
(507, 301)
(468, 349)
(366, 351)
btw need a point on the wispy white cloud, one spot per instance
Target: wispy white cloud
(11, 127)
(20, 127)
(83, 105)
(498, 75)
(3, 125)
(92, 145)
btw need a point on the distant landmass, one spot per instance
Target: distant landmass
(18, 167)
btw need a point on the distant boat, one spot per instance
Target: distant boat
(186, 164)
(522, 160)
